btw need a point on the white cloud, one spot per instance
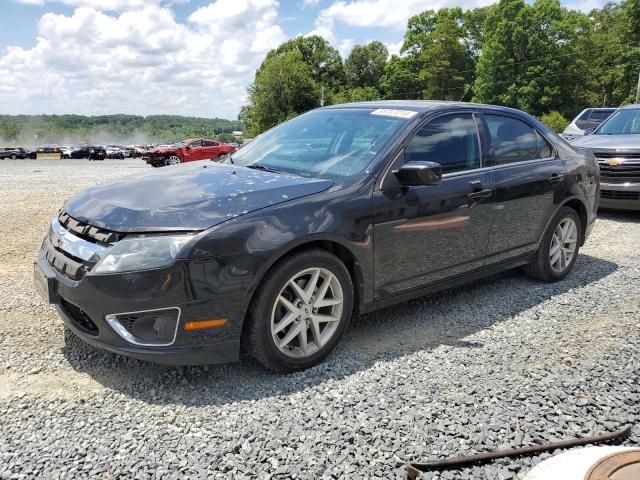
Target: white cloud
(141, 61)
(379, 13)
(118, 5)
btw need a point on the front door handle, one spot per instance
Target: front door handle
(555, 178)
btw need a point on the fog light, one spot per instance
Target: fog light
(147, 328)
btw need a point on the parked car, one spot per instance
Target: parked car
(187, 151)
(92, 152)
(616, 145)
(588, 118)
(13, 153)
(340, 211)
(65, 150)
(115, 151)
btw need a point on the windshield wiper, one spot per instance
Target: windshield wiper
(264, 168)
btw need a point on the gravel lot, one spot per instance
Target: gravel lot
(504, 362)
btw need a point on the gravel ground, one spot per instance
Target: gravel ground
(506, 361)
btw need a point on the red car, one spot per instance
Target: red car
(187, 151)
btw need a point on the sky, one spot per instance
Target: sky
(182, 57)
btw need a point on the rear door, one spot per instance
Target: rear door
(427, 234)
(529, 184)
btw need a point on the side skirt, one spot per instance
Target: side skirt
(454, 282)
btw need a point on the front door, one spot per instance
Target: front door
(427, 234)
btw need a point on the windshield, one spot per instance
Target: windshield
(332, 143)
(623, 122)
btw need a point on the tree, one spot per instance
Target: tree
(365, 65)
(283, 88)
(400, 79)
(531, 58)
(324, 61)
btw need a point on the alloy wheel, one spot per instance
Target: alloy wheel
(563, 245)
(307, 312)
(173, 160)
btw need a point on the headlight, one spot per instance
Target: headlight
(141, 253)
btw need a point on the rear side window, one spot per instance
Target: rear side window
(450, 140)
(512, 140)
(600, 115)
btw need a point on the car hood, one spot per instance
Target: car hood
(608, 142)
(192, 196)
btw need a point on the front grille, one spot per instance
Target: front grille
(628, 169)
(80, 249)
(70, 267)
(86, 231)
(79, 318)
(616, 195)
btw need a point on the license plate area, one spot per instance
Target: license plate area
(45, 285)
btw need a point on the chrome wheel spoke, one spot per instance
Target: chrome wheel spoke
(293, 332)
(327, 302)
(324, 318)
(285, 322)
(315, 331)
(310, 287)
(298, 290)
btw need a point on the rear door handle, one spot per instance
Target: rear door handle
(555, 178)
(480, 194)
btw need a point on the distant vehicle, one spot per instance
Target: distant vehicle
(90, 152)
(339, 211)
(66, 150)
(116, 151)
(187, 151)
(586, 119)
(13, 153)
(616, 145)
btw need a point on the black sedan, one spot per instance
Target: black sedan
(91, 152)
(337, 212)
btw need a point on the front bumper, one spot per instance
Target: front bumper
(84, 305)
(622, 196)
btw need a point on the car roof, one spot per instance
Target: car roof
(419, 105)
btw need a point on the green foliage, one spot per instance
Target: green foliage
(43, 129)
(290, 81)
(365, 65)
(555, 121)
(284, 87)
(536, 56)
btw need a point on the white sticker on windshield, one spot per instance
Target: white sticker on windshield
(392, 112)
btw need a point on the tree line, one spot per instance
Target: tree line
(539, 57)
(44, 129)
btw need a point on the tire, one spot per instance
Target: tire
(172, 160)
(14, 156)
(543, 267)
(268, 311)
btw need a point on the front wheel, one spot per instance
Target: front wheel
(558, 249)
(173, 160)
(300, 311)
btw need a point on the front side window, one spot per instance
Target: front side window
(450, 140)
(511, 140)
(197, 143)
(209, 143)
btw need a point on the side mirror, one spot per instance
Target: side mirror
(188, 147)
(589, 130)
(419, 173)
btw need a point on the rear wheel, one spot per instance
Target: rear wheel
(300, 311)
(172, 160)
(558, 249)
(14, 156)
